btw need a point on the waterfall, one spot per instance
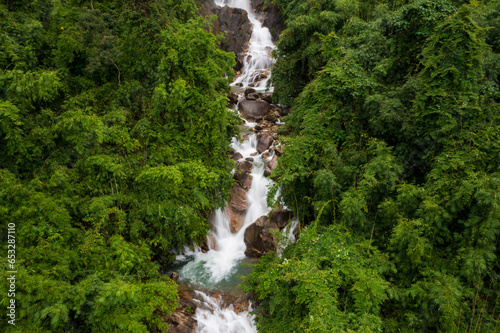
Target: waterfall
(258, 60)
(220, 263)
(219, 267)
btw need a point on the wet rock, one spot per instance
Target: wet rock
(266, 154)
(262, 74)
(280, 217)
(271, 116)
(182, 321)
(279, 150)
(236, 220)
(249, 91)
(238, 206)
(267, 171)
(284, 111)
(251, 110)
(245, 179)
(254, 154)
(268, 97)
(249, 159)
(272, 17)
(238, 197)
(233, 98)
(236, 25)
(252, 96)
(245, 166)
(239, 84)
(264, 141)
(174, 276)
(236, 156)
(263, 123)
(273, 163)
(258, 237)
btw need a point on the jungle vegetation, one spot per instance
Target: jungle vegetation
(392, 166)
(114, 138)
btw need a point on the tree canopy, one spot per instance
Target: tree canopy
(114, 136)
(391, 165)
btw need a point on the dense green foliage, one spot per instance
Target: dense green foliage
(391, 164)
(113, 152)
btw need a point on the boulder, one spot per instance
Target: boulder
(264, 141)
(273, 163)
(233, 98)
(279, 150)
(252, 96)
(249, 91)
(267, 171)
(236, 156)
(280, 217)
(268, 97)
(258, 237)
(245, 179)
(284, 111)
(238, 206)
(174, 276)
(250, 110)
(271, 116)
(245, 166)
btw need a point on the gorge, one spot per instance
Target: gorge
(241, 229)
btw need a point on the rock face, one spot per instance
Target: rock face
(237, 207)
(181, 321)
(236, 25)
(258, 238)
(250, 110)
(272, 17)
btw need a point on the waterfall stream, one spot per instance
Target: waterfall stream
(219, 267)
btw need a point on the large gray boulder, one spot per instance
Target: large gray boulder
(251, 110)
(258, 237)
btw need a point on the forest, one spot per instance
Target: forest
(114, 138)
(391, 163)
(114, 151)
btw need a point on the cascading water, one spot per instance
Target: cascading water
(259, 59)
(219, 267)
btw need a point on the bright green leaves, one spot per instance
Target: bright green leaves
(31, 89)
(394, 138)
(115, 132)
(329, 282)
(188, 100)
(449, 78)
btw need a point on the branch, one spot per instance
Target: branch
(119, 73)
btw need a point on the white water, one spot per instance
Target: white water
(212, 317)
(259, 57)
(221, 261)
(221, 264)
